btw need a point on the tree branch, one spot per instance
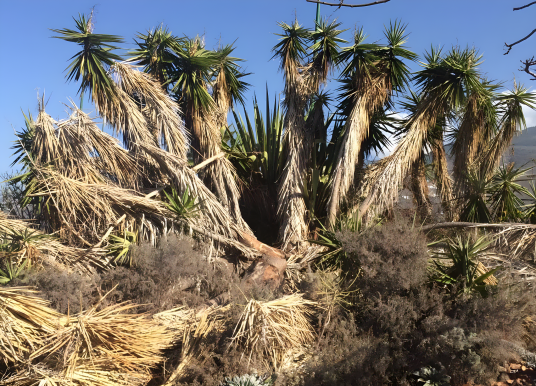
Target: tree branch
(513, 44)
(525, 6)
(528, 64)
(443, 225)
(341, 3)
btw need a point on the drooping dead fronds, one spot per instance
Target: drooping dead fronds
(418, 186)
(275, 328)
(373, 93)
(26, 322)
(130, 343)
(124, 115)
(384, 181)
(476, 125)
(81, 139)
(160, 111)
(443, 180)
(194, 332)
(79, 149)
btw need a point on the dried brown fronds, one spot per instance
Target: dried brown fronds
(195, 331)
(47, 249)
(26, 322)
(131, 343)
(160, 111)
(383, 181)
(275, 328)
(372, 93)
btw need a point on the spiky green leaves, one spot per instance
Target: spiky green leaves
(450, 79)
(292, 48)
(229, 74)
(326, 47)
(156, 52)
(96, 53)
(192, 73)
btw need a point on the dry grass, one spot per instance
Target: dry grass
(275, 328)
(194, 326)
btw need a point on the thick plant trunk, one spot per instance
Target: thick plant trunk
(443, 182)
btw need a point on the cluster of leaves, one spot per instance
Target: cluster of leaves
(18, 252)
(498, 198)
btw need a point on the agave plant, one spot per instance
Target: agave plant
(12, 270)
(430, 376)
(474, 207)
(462, 269)
(185, 206)
(120, 246)
(248, 380)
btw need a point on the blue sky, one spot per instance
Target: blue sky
(32, 62)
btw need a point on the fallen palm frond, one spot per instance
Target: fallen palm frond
(79, 149)
(42, 248)
(195, 327)
(82, 140)
(87, 210)
(275, 328)
(96, 372)
(26, 322)
(213, 216)
(161, 112)
(131, 342)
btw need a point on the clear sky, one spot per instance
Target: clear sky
(32, 62)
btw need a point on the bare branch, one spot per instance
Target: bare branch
(341, 3)
(513, 44)
(529, 63)
(525, 6)
(475, 225)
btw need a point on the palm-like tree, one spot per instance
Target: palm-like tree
(156, 52)
(477, 124)
(302, 80)
(90, 62)
(445, 83)
(292, 50)
(371, 75)
(510, 106)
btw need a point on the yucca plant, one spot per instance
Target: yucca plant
(156, 52)
(474, 205)
(504, 200)
(12, 269)
(458, 268)
(371, 75)
(445, 83)
(512, 121)
(120, 247)
(185, 206)
(95, 53)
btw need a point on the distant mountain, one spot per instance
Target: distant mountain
(523, 148)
